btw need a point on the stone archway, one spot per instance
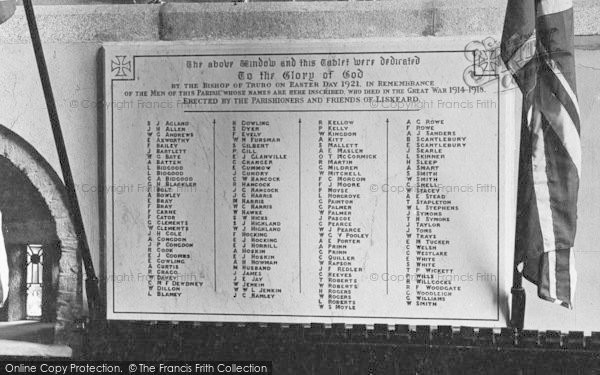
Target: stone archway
(26, 220)
(50, 222)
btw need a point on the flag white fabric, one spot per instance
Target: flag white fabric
(3, 267)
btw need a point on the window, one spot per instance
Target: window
(34, 286)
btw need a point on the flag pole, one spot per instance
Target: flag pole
(517, 313)
(91, 282)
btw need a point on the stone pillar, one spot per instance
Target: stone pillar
(69, 295)
(17, 297)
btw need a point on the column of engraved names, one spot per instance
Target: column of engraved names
(347, 162)
(235, 203)
(435, 141)
(174, 184)
(409, 215)
(150, 207)
(321, 219)
(257, 214)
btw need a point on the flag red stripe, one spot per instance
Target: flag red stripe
(563, 183)
(563, 290)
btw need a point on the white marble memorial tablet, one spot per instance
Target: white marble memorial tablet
(357, 182)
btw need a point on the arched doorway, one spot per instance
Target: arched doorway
(30, 238)
(36, 221)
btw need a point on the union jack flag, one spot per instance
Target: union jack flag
(537, 48)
